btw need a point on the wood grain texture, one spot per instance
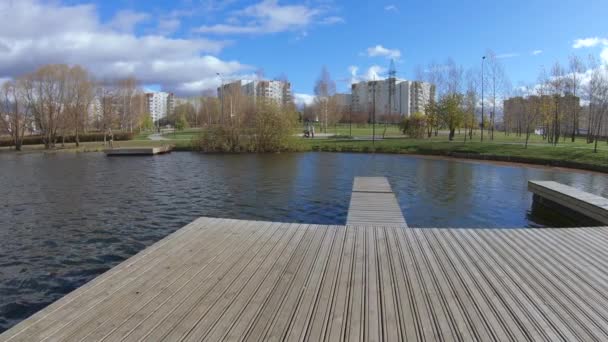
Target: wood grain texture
(228, 280)
(373, 202)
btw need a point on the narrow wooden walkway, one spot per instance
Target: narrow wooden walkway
(373, 203)
(219, 279)
(581, 202)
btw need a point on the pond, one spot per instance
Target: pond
(66, 218)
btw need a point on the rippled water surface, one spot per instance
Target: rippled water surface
(66, 218)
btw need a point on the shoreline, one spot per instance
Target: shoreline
(435, 154)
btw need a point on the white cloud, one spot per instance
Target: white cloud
(303, 99)
(374, 72)
(34, 33)
(589, 42)
(267, 16)
(536, 52)
(391, 8)
(381, 51)
(168, 26)
(125, 21)
(353, 70)
(604, 55)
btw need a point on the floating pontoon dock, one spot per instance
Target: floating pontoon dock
(580, 202)
(137, 151)
(223, 279)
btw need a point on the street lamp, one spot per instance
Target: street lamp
(483, 59)
(374, 110)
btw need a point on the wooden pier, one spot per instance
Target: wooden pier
(575, 200)
(137, 151)
(228, 280)
(373, 202)
(221, 279)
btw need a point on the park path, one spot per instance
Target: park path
(156, 137)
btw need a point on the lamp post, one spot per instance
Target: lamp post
(374, 112)
(483, 59)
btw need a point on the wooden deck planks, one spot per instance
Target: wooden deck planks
(219, 279)
(373, 202)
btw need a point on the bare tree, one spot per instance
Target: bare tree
(107, 98)
(324, 89)
(496, 80)
(79, 95)
(127, 90)
(15, 116)
(597, 95)
(470, 102)
(557, 85)
(45, 94)
(576, 67)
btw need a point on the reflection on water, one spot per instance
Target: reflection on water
(66, 218)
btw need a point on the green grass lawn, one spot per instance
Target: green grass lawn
(503, 146)
(577, 153)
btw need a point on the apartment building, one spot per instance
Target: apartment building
(276, 91)
(160, 104)
(391, 96)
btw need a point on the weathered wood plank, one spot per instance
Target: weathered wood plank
(373, 203)
(228, 280)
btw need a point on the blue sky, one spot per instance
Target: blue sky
(197, 38)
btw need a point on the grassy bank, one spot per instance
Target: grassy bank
(564, 156)
(504, 148)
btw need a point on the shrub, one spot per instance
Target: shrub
(414, 126)
(268, 128)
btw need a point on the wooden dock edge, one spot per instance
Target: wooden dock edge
(580, 202)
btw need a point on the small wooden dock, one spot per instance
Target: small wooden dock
(137, 151)
(225, 280)
(229, 280)
(373, 202)
(575, 200)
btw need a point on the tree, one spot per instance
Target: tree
(470, 103)
(451, 112)
(79, 95)
(126, 91)
(557, 85)
(106, 97)
(497, 81)
(181, 123)
(15, 117)
(431, 111)
(576, 67)
(45, 95)
(597, 95)
(324, 90)
(147, 123)
(186, 112)
(531, 113)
